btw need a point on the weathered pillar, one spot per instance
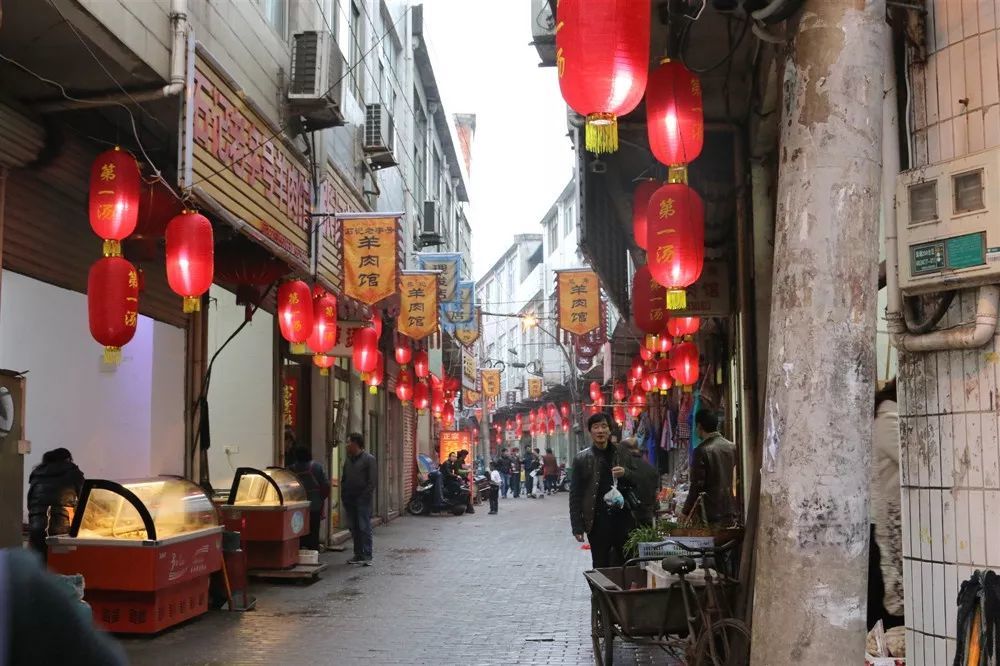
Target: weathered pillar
(812, 553)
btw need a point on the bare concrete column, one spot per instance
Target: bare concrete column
(812, 553)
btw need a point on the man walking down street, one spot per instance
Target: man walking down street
(357, 495)
(594, 468)
(646, 484)
(550, 470)
(528, 462)
(515, 472)
(503, 466)
(712, 472)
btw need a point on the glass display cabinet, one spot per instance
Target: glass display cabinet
(270, 511)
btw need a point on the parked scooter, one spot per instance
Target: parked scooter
(563, 485)
(430, 495)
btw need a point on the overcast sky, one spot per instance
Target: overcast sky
(522, 157)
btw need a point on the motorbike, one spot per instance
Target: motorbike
(431, 495)
(563, 485)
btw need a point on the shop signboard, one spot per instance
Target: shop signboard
(469, 368)
(578, 297)
(418, 310)
(710, 295)
(368, 242)
(468, 333)
(491, 382)
(453, 441)
(534, 388)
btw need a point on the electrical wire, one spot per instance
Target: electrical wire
(685, 36)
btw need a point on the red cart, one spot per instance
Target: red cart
(146, 550)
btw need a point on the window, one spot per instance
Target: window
(419, 151)
(923, 202)
(553, 233)
(569, 219)
(968, 191)
(510, 279)
(357, 51)
(436, 175)
(276, 15)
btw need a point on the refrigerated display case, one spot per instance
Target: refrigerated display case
(269, 509)
(146, 549)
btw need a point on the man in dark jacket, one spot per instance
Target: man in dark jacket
(646, 483)
(712, 471)
(313, 478)
(594, 468)
(515, 472)
(357, 494)
(529, 463)
(503, 466)
(54, 487)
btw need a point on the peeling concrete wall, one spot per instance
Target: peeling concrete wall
(948, 408)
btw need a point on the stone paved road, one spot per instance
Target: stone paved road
(476, 589)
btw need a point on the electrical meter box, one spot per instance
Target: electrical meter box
(948, 224)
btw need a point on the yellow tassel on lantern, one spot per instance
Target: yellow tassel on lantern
(324, 372)
(112, 248)
(112, 355)
(373, 390)
(689, 389)
(676, 299)
(651, 342)
(192, 304)
(601, 133)
(677, 174)
(297, 347)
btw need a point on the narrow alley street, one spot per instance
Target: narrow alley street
(478, 589)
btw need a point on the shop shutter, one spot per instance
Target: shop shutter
(409, 449)
(46, 234)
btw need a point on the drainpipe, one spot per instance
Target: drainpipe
(178, 49)
(968, 336)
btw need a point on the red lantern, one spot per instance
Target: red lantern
(618, 393)
(663, 377)
(324, 332)
(683, 327)
(404, 386)
(684, 364)
(595, 390)
(640, 204)
(619, 415)
(552, 426)
(638, 399)
(437, 402)
(675, 120)
(602, 56)
(376, 376)
(637, 370)
(295, 314)
(115, 186)
(645, 354)
(663, 344)
(190, 258)
(676, 240)
(594, 409)
(113, 304)
(518, 423)
(365, 352)
(599, 401)
(448, 414)
(376, 322)
(551, 410)
(421, 364)
(452, 384)
(648, 383)
(324, 363)
(564, 410)
(403, 352)
(421, 396)
(247, 266)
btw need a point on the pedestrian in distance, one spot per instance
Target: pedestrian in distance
(596, 470)
(528, 464)
(539, 483)
(515, 472)
(314, 481)
(645, 486)
(53, 490)
(550, 471)
(357, 495)
(503, 466)
(495, 483)
(463, 471)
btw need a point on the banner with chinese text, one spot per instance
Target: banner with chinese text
(469, 367)
(453, 441)
(462, 309)
(470, 398)
(450, 266)
(578, 297)
(369, 257)
(468, 333)
(491, 382)
(534, 388)
(418, 309)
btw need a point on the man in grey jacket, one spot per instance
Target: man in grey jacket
(357, 494)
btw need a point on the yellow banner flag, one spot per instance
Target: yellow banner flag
(418, 304)
(468, 333)
(491, 382)
(369, 261)
(578, 293)
(470, 398)
(534, 388)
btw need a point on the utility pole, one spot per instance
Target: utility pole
(812, 550)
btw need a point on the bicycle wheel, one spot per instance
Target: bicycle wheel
(602, 633)
(725, 643)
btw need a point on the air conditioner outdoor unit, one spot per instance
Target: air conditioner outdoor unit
(315, 91)
(948, 224)
(380, 137)
(430, 229)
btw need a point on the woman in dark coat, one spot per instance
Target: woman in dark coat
(53, 489)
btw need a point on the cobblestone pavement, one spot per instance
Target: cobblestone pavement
(475, 589)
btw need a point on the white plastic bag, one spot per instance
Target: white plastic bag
(613, 497)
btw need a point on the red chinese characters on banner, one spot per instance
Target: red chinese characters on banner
(369, 258)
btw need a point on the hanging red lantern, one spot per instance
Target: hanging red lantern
(593, 409)
(551, 410)
(564, 410)
(618, 413)
(364, 351)
(404, 386)
(637, 370)
(448, 415)
(246, 266)
(115, 187)
(676, 240)
(295, 314)
(645, 354)
(649, 302)
(421, 396)
(602, 57)
(640, 205)
(324, 331)
(376, 376)
(675, 119)
(618, 393)
(664, 344)
(518, 423)
(599, 401)
(663, 377)
(324, 363)
(637, 399)
(595, 390)
(404, 353)
(684, 364)
(683, 327)
(452, 384)
(552, 426)
(565, 426)
(376, 322)
(421, 364)
(190, 258)
(437, 402)
(509, 424)
(113, 304)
